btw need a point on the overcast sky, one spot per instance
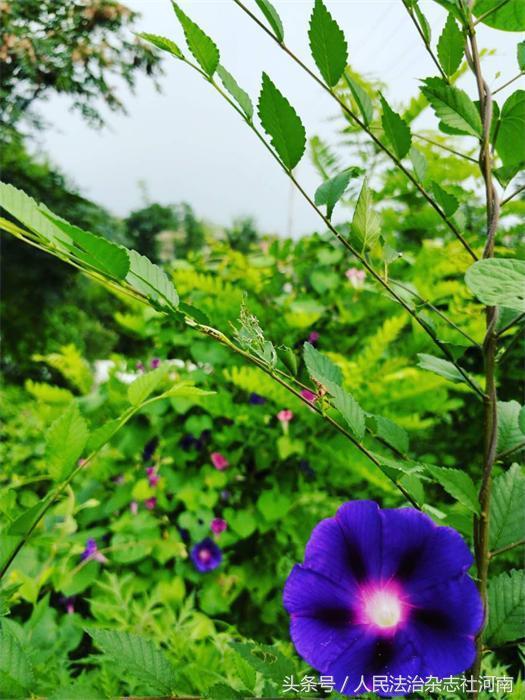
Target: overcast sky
(186, 144)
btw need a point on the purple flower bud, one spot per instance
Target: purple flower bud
(313, 337)
(150, 503)
(206, 555)
(149, 449)
(218, 525)
(155, 362)
(219, 461)
(91, 552)
(256, 399)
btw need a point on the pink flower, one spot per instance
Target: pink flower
(150, 503)
(134, 507)
(155, 363)
(218, 525)
(140, 366)
(313, 337)
(356, 277)
(153, 477)
(219, 461)
(285, 416)
(308, 395)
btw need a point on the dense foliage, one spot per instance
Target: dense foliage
(166, 419)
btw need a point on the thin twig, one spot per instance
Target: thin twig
(365, 128)
(507, 548)
(511, 196)
(509, 82)
(427, 45)
(446, 148)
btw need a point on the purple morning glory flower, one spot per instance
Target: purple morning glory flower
(206, 555)
(256, 399)
(149, 449)
(383, 592)
(91, 552)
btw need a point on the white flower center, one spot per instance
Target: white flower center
(384, 609)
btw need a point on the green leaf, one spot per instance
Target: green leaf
(453, 106)
(145, 385)
(102, 434)
(331, 191)
(149, 279)
(16, 672)
(520, 53)
(139, 657)
(361, 97)
(423, 23)
(349, 409)
(439, 366)
(201, 46)
(510, 138)
(239, 95)
(506, 604)
(510, 434)
(321, 368)
(419, 162)
(498, 282)
(509, 16)
(282, 124)
(161, 42)
(391, 433)
(450, 46)
(447, 201)
(327, 44)
(366, 223)
(66, 439)
(396, 129)
(458, 484)
(507, 509)
(267, 660)
(272, 17)
(96, 251)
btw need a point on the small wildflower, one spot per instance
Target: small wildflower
(218, 525)
(69, 603)
(149, 449)
(356, 277)
(91, 552)
(256, 399)
(313, 337)
(140, 366)
(134, 507)
(188, 441)
(206, 555)
(285, 416)
(308, 395)
(287, 288)
(150, 503)
(219, 461)
(155, 362)
(153, 477)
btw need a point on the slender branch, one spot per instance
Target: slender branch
(511, 196)
(509, 82)
(446, 148)
(511, 450)
(426, 43)
(364, 128)
(509, 325)
(382, 281)
(507, 548)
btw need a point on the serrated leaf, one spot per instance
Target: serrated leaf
(272, 17)
(391, 433)
(16, 672)
(327, 44)
(450, 46)
(27, 520)
(396, 129)
(453, 106)
(419, 163)
(366, 223)
(510, 138)
(331, 191)
(239, 95)
(161, 42)
(201, 46)
(520, 55)
(101, 435)
(138, 656)
(510, 434)
(321, 368)
(439, 366)
(361, 97)
(349, 409)
(458, 484)
(282, 123)
(423, 22)
(506, 604)
(66, 439)
(498, 282)
(96, 251)
(269, 661)
(507, 509)
(151, 280)
(145, 385)
(508, 16)
(447, 201)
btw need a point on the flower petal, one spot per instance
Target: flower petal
(443, 624)
(327, 553)
(361, 524)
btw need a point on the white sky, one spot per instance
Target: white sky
(186, 144)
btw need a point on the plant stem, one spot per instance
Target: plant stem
(445, 148)
(427, 45)
(365, 128)
(511, 196)
(509, 82)
(507, 548)
(481, 522)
